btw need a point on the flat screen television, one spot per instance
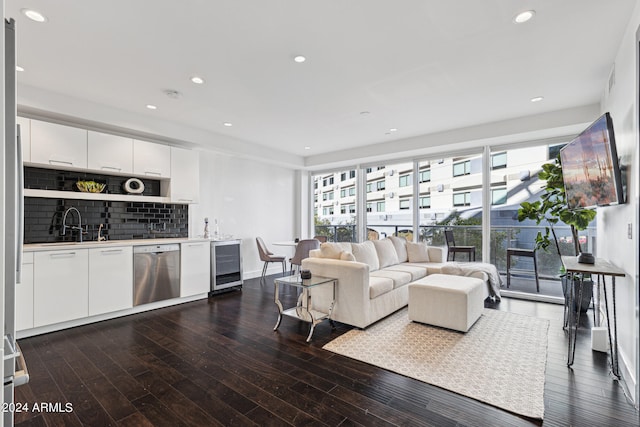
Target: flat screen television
(590, 167)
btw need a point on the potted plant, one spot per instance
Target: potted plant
(552, 208)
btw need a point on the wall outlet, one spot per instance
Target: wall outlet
(629, 231)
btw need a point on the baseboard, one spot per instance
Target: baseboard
(627, 379)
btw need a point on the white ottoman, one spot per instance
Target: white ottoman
(453, 302)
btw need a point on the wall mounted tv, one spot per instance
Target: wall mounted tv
(590, 167)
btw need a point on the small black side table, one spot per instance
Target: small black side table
(576, 270)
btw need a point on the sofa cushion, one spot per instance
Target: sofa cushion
(347, 256)
(379, 286)
(330, 250)
(416, 271)
(417, 252)
(365, 252)
(400, 244)
(386, 252)
(400, 278)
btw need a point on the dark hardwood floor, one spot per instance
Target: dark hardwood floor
(219, 362)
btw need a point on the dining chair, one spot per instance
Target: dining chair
(520, 252)
(321, 239)
(267, 256)
(302, 251)
(452, 248)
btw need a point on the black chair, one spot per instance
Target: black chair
(518, 252)
(267, 256)
(452, 248)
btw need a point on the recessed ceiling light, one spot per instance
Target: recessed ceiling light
(393, 130)
(523, 17)
(307, 148)
(537, 99)
(19, 68)
(364, 113)
(151, 107)
(34, 15)
(227, 124)
(197, 80)
(299, 58)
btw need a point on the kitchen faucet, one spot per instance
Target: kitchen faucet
(64, 223)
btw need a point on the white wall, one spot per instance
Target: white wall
(249, 199)
(613, 222)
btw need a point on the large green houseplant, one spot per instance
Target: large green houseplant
(553, 208)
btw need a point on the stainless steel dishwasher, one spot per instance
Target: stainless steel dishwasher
(156, 273)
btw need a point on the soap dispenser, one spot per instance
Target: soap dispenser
(206, 228)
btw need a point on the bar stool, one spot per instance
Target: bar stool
(531, 253)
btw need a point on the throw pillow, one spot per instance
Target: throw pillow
(400, 244)
(347, 256)
(386, 253)
(366, 253)
(417, 252)
(330, 250)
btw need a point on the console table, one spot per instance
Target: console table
(601, 268)
(304, 310)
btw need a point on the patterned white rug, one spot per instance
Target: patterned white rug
(500, 361)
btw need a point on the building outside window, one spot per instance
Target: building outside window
(404, 180)
(498, 196)
(462, 199)
(380, 185)
(327, 181)
(327, 210)
(424, 202)
(405, 203)
(499, 160)
(327, 196)
(424, 175)
(462, 168)
(380, 206)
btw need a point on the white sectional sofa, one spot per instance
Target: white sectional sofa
(373, 276)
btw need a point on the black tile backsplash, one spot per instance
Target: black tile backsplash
(121, 220)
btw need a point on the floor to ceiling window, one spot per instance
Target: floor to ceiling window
(389, 200)
(335, 205)
(450, 198)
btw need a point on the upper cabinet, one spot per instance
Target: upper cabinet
(25, 137)
(152, 160)
(57, 145)
(110, 153)
(185, 176)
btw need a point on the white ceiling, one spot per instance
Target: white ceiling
(421, 66)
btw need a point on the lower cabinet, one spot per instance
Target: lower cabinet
(194, 268)
(24, 294)
(110, 279)
(60, 286)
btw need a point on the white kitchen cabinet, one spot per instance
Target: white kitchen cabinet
(195, 274)
(57, 145)
(24, 294)
(110, 279)
(185, 176)
(109, 153)
(25, 137)
(60, 282)
(150, 159)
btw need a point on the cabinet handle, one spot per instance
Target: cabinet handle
(63, 255)
(152, 173)
(62, 162)
(113, 168)
(111, 251)
(195, 244)
(185, 200)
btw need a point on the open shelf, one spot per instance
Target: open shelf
(55, 194)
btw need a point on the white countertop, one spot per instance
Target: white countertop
(35, 247)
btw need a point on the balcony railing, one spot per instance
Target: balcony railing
(502, 237)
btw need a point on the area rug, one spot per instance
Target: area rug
(501, 360)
